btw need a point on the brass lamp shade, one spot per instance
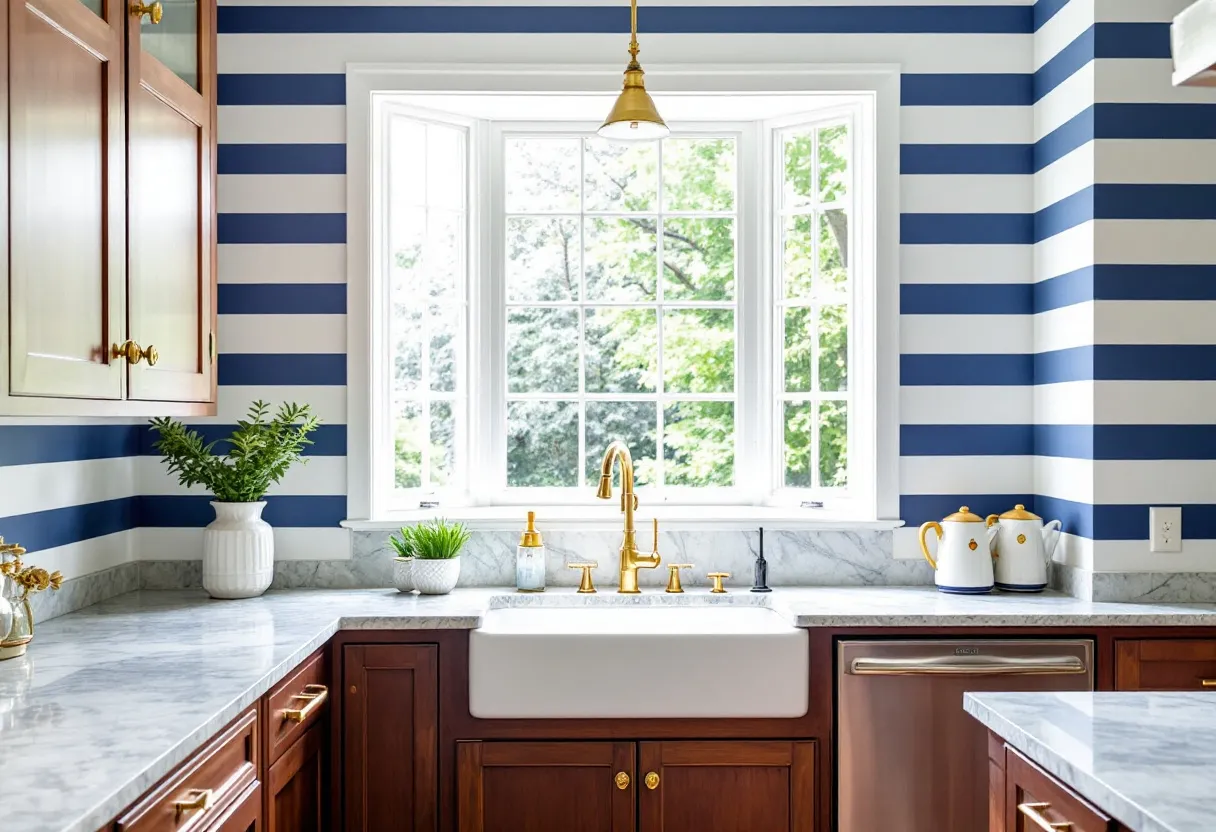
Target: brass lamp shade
(634, 116)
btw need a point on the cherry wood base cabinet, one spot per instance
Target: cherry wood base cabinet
(726, 786)
(1165, 664)
(1024, 798)
(296, 786)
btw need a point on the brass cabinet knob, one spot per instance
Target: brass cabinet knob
(1034, 814)
(199, 801)
(314, 696)
(151, 355)
(621, 780)
(673, 581)
(717, 578)
(131, 350)
(652, 780)
(585, 587)
(155, 11)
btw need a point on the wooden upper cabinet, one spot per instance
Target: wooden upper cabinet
(67, 195)
(542, 786)
(727, 786)
(171, 215)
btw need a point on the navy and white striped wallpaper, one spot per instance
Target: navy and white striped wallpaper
(1057, 198)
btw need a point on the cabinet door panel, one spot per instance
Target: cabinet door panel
(296, 786)
(67, 179)
(170, 215)
(729, 786)
(390, 728)
(1165, 664)
(243, 816)
(544, 786)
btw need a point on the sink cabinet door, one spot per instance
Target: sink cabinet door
(546, 786)
(727, 786)
(390, 716)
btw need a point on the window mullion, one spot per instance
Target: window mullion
(660, 467)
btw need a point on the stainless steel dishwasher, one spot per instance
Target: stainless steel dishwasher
(909, 758)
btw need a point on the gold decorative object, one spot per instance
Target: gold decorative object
(621, 780)
(154, 11)
(585, 587)
(673, 581)
(634, 116)
(652, 780)
(25, 581)
(631, 559)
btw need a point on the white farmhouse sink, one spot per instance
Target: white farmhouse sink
(613, 662)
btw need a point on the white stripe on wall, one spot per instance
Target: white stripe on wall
(1064, 403)
(320, 475)
(1154, 322)
(282, 194)
(1063, 28)
(289, 544)
(1155, 161)
(1153, 242)
(88, 556)
(966, 405)
(1155, 402)
(282, 264)
(283, 124)
(963, 334)
(1063, 328)
(965, 474)
(965, 264)
(952, 194)
(1065, 252)
(965, 125)
(1155, 482)
(1072, 96)
(283, 333)
(328, 403)
(1143, 81)
(1066, 479)
(1064, 177)
(28, 488)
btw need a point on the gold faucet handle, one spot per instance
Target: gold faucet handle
(585, 587)
(717, 578)
(673, 582)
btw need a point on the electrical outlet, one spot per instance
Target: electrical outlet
(1165, 529)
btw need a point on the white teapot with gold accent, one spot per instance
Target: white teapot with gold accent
(963, 564)
(1024, 546)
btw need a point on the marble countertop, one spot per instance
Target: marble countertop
(1146, 759)
(109, 699)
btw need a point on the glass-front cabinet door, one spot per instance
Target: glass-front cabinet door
(171, 216)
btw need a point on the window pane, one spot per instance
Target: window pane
(833, 250)
(542, 351)
(834, 348)
(620, 176)
(94, 6)
(833, 444)
(798, 422)
(798, 167)
(799, 260)
(699, 350)
(698, 174)
(407, 163)
(174, 41)
(443, 443)
(635, 424)
(542, 444)
(622, 350)
(699, 443)
(407, 242)
(445, 186)
(541, 174)
(542, 259)
(445, 326)
(699, 259)
(407, 446)
(407, 348)
(798, 349)
(444, 257)
(621, 259)
(833, 163)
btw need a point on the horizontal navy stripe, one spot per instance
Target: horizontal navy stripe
(1113, 442)
(282, 299)
(1075, 518)
(966, 89)
(1064, 64)
(1127, 362)
(249, 369)
(919, 370)
(327, 440)
(1102, 40)
(1069, 212)
(1125, 282)
(272, 89)
(1154, 202)
(966, 158)
(916, 509)
(282, 158)
(965, 299)
(62, 526)
(35, 444)
(966, 440)
(574, 19)
(1074, 133)
(195, 511)
(966, 229)
(1068, 441)
(1064, 290)
(1154, 121)
(1073, 364)
(281, 228)
(1130, 522)
(1045, 10)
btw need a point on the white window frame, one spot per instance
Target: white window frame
(874, 330)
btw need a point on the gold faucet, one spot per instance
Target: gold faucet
(631, 559)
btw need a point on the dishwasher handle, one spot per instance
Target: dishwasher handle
(968, 666)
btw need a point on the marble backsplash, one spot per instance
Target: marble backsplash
(1136, 587)
(795, 558)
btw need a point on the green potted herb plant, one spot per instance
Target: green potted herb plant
(238, 546)
(436, 545)
(403, 563)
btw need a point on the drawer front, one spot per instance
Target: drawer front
(1165, 664)
(296, 703)
(1037, 802)
(245, 815)
(203, 788)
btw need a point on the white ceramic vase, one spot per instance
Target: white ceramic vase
(403, 574)
(238, 551)
(436, 577)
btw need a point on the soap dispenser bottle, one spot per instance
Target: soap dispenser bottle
(530, 559)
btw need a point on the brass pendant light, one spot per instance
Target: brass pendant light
(634, 116)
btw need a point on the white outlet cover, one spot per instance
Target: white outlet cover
(1165, 529)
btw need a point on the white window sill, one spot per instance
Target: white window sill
(608, 518)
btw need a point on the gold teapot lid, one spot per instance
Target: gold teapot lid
(963, 515)
(1019, 512)
(530, 539)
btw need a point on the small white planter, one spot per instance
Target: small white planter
(436, 577)
(238, 551)
(403, 574)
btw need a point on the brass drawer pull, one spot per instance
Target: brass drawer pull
(200, 802)
(315, 696)
(1207, 683)
(1033, 812)
(652, 780)
(621, 780)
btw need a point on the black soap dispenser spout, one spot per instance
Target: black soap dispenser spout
(760, 580)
